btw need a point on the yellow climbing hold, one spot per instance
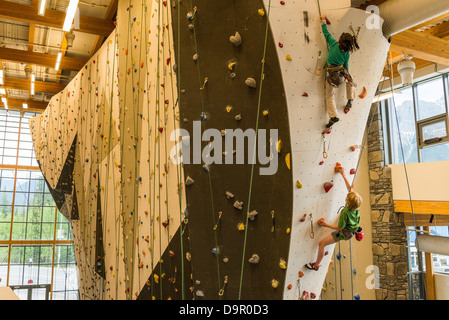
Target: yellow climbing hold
(278, 146)
(288, 58)
(156, 278)
(265, 112)
(261, 12)
(298, 184)
(228, 109)
(282, 264)
(287, 160)
(288, 231)
(241, 226)
(274, 283)
(231, 66)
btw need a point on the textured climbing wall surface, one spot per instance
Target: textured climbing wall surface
(302, 40)
(225, 102)
(140, 226)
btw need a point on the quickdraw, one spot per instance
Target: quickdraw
(221, 292)
(312, 234)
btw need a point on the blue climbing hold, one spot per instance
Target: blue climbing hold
(339, 256)
(357, 297)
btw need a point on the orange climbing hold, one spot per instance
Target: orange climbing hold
(337, 167)
(363, 94)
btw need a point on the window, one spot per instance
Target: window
(422, 115)
(36, 251)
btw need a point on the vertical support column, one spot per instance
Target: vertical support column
(430, 282)
(389, 237)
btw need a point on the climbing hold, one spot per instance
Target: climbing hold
(337, 167)
(229, 195)
(282, 2)
(289, 287)
(287, 231)
(252, 215)
(305, 94)
(339, 256)
(352, 171)
(165, 223)
(305, 295)
(241, 226)
(363, 94)
(265, 113)
(195, 57)
(282, 264)
(303, 218)
(206, 167)
(357, 296)
(261, 12)
(238, 205)
(199, 293)
(250, 82)
(328, 186)
(300, 274)
(281, 45)
(288, 58)
(254, 259)
(236, 39)
(203, 116)
(216, 251)
(321, 163)
(278, 146)
(232, 75)
(231, 65)
(189, 181)
(274, 283)
(312, 295)
(191, 27)
(287, 160)
(238, 117)
(228, 109)
(225, 259)
(354, 147)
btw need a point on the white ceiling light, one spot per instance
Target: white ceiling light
(406, 69)
(33, 78)
(1, 77)
(5, 102)
(2, 91)
(58, 60)
(42, 6)
(70, 14)
(25, 106)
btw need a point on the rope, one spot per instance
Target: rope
(254, 149)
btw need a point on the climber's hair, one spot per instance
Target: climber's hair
(353, 200)
(348, 43)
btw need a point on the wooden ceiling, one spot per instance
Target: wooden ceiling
(28, 40)
(25, 41)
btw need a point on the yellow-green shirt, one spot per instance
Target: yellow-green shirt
(349, 219)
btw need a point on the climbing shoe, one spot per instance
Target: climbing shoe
(332, 121)
(348, 106)
(312, 266)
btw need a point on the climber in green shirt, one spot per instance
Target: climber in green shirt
(337, 70)
(348, 223)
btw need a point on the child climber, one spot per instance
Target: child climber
(337, 70)
(348, 223)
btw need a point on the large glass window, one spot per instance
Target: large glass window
(418, 125)
(35, 238)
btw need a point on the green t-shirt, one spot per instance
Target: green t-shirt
(349, 219)
(336, 57)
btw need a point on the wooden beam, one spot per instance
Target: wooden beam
(422, 207)
(422, 46)
(16, 104)
(41, 59)
(431, 21)
(53, 18)
(422, 220)
(440, 31)
(39, 86)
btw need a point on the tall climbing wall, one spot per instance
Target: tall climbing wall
(145, 225)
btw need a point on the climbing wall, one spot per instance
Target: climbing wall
(296, 25)
(145, 225)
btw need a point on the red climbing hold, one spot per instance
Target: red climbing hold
(312, 295)
(282, 2)
(161, 129)
(321, 163)
(354, 147)
(303, 218)
(352, 171)
(281, 45)
(305, 94)
(165, 223)
(328, 186)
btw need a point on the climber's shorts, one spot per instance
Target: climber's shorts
(343, 234)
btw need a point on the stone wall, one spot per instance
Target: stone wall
(388, 229)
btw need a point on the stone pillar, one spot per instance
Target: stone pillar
(389, 239)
